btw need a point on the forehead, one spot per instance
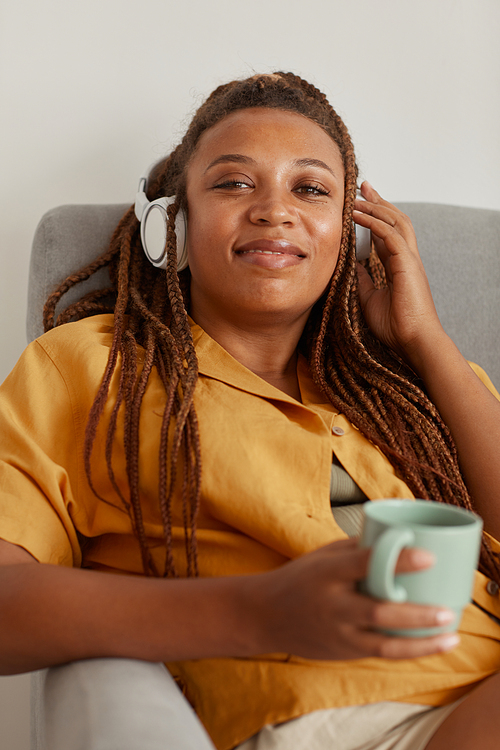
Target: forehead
(268, 134)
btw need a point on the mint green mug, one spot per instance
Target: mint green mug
(452, 534)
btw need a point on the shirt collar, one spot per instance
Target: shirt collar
(216, 363)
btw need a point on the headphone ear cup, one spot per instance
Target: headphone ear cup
(181, 239)
(363, 237)
(154, 233)
(363, 242)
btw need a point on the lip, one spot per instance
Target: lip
(270, 254)
(267, 246)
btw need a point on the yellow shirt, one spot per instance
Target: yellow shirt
(265, 499)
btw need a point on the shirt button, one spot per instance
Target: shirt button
(337, 431)
(492, 588)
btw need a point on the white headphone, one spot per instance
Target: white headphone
(152, 216)
(363, 238)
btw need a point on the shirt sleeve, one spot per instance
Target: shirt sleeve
(484, 378)
(39, 459)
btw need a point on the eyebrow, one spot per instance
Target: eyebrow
(242, 159)
(314, 163)
(238, 158)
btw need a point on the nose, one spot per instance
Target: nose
(273, 208)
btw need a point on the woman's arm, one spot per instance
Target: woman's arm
(472, 413)
(404, 317)
(309, 607)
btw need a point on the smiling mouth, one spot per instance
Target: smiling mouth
(268, 252)
(270, 247)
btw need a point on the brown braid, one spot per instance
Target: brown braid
(367, 382)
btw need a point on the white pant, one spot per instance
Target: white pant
(112, 704)
(123, 704)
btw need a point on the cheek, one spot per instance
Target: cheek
(199, 234)
(330, 234)
(207, 245)
(207, 225)
(328, 224)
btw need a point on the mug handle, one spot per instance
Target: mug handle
(382, 565)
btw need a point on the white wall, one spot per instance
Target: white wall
(92, 92)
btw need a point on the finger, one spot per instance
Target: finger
(392, 647)
(385, 222)
(362, 622)
(407, 616)
(346, 561)
(413, 559)
(381, 232)
(386, 213)
(366, 613)
(372, 196)
(368, 192)
(374, 205)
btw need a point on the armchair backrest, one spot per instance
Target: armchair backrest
(66, 239)
(460, 248)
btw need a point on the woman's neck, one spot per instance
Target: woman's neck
(270, 353)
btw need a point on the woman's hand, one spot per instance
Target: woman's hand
(403, 315)
(311, 608)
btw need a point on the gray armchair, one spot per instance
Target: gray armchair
(460, 248)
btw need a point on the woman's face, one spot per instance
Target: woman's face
(265, 192)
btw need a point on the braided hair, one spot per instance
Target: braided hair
(367, 382)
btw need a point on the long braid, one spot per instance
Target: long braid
(362, 379)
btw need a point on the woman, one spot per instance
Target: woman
(294, 356)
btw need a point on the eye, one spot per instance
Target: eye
(232, 184)
(312, 188)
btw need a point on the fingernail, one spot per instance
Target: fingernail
(445, 616)
(449, 641)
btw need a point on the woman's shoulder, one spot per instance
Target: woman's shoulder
(81, 342)
(57, 376)
(95, 330)
(76, 353)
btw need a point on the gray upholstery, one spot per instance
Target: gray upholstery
(67, 238)
(460, 248)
